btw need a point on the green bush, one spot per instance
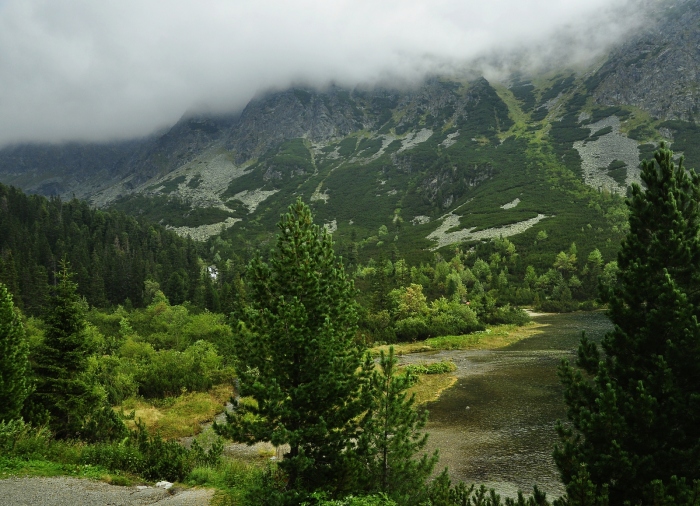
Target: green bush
(20, 439)
(115, 375)
(168, 372)
(507, 314)
(434, 368)
(452, 318)
(150, 456)
(412, 328)
(366, 500)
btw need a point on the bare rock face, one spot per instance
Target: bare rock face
(292, 114)
(659, 70)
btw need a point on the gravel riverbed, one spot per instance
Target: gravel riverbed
(65, 491)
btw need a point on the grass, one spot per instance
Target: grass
(180, 416)
(429, 386)
(16, 466)
(493, 338)
(62, 458)
(520, 118)
(233, 480)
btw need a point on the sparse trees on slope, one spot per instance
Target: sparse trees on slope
(14, 366)
(635, 409)
(298, 360)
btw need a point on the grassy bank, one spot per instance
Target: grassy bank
(429, 386)
(177, 417)
(492, 338)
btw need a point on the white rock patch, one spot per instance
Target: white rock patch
(450, 139)
(597, 155)
(204, 232)
(317, 195)
(415, 138)
(420, 220)
(253, 198)
(511, 205)
(451, 220)
(331, 226)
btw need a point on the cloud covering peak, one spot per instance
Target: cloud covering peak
(86, 70)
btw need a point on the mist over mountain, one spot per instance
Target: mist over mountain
(73, 70)
(522, 148)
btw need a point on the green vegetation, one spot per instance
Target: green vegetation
(63, 396)
(139, 456)
(111, 254)
(434, 368)
(617, 169)
(494, 337)
(14, 366)
(633, 411)
(143, 337)
(306, 391)
(390, 437)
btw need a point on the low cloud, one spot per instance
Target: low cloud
(86, 70)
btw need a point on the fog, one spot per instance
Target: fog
(87, 70)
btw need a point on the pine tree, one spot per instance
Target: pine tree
(635, 410)
(297, 358)
(62, 394)
(8, 276)
(14, 366)
(391, 437)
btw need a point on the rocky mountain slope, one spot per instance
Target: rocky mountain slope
(542, 159)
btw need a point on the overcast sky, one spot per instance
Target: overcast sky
(103, 69)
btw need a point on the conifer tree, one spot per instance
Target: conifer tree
(635, 409)
(14, 366)
(297, 358)
(391, 437)
(62, 394)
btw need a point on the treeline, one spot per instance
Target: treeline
(486, 285)
(110, 253)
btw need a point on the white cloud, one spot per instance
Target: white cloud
(80, 69)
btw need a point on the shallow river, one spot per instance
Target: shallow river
(496, 425)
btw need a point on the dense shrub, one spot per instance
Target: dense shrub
(20, 439)
(434, 368)
(169, 371)
(412, 329)
(368, 500)
(452, 318)
(150, 456)
(507, 315)
(443, 318)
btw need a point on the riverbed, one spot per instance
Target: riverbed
(495, 426)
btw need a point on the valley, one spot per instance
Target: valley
(269, 261)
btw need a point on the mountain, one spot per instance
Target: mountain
(543, 159)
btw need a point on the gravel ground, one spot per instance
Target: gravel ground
(64, 491)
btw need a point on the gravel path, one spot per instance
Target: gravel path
(64, 491)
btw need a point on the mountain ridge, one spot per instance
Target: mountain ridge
(560, 147)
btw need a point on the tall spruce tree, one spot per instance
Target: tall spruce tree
(62, 395)
(635, 408)
(14, 366)
(391, 437)
(297, 358)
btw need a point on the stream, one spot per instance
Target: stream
(495, 426)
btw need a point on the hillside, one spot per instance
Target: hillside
(542, 159)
